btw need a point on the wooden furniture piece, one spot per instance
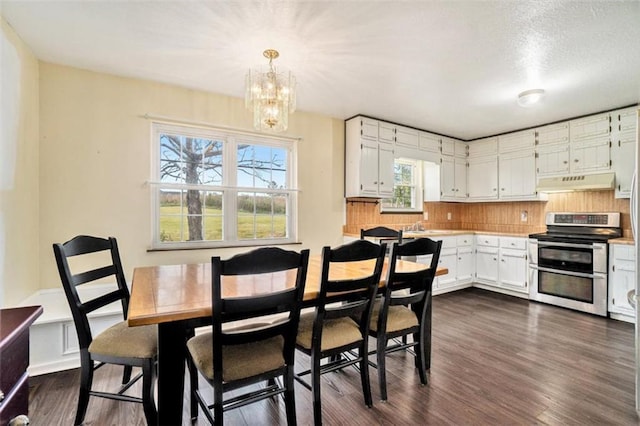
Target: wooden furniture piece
(405, 309)
(178, 297)
(261, 349)
(383, 233)
(118, 344)
(14, 359)
(335, 328)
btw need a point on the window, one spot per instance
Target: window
(217, 187)
(407, 187)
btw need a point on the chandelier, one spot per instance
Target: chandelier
(271, 94)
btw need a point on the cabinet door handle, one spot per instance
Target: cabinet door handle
(565, 162)
(575, 160)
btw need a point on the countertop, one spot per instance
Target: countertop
(450, 232)
(624, 240)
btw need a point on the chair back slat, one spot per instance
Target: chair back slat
(381, 232)
(286, 302)
(419, 283)
(354, 295)
(87, 245)
(93, 275)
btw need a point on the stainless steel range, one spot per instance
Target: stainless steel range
(569, 262)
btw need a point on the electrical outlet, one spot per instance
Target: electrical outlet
(524, 216)
(425, 215)
(448, 215)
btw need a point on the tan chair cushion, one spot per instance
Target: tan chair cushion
(239, 361)
(398, 318)
(128, 342)
(335, 333)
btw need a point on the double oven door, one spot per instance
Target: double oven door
(569, 274)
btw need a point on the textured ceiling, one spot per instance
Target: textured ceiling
(452, 67)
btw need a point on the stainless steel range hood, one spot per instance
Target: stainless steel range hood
(596, 182)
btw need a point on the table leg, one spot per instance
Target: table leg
(172, 337)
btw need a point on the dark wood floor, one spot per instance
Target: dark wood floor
(497, 360)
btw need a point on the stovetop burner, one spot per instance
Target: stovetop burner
(582, 227)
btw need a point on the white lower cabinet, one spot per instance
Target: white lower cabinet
(622, 279)
(487, 259)
(449, 260)
(501, 262)
(457, 256)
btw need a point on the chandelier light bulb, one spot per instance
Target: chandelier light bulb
(270, 94)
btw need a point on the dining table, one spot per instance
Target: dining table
(178, 299)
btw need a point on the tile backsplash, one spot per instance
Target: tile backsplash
(514, 217)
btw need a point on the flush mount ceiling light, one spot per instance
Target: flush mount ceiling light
(530, 97)
(271, 94)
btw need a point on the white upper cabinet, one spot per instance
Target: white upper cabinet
(517, 177)
(448, 146)
(589, 141)
(369, 129)
(483, 147)
(482, 173)
(552, 149)
(553, 134)
(406, 137)
(368, 162)
(589, 127)
(517, 141)
(453, 179)
(386, 132)
(482, 182)
(428, 142)
(623, 148)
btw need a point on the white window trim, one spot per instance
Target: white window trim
(418, 184)
(231, 138)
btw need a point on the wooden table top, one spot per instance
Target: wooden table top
(168, 293)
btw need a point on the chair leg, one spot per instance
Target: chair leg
(420, 359)
(315, 389)
(126, 375)
(382, 369)
(148, 382)
(86, 380)
(218, 404)
(193, 387)
(290, 396)
(364, 374)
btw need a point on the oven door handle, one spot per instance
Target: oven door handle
(571, 245)
(561, 272)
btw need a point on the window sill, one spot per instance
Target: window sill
(161, 249)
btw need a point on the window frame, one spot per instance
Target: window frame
(418, 197)
(231, 139)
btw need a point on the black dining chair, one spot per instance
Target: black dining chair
(260, 350)
(340, 322)
(383, 233)
(118, 344)
(405, 309)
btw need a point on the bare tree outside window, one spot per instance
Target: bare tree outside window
(195, 212)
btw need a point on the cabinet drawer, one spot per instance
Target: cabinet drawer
(448, 242)
(464, 240)
(623, 252)
(513, 243)
(487, 240)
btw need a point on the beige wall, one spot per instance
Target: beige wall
(19, 254)
(96, 157)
